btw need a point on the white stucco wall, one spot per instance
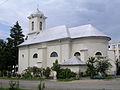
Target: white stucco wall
(65, 49)
(90, 46)
(61, 47)
(23, 59)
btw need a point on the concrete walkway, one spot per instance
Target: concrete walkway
(73, 85)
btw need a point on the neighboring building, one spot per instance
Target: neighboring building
(70, 46)
(116, 48)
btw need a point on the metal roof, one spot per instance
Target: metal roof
(73, 61)
(61, 32)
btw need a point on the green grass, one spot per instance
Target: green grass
(11, 89)
(65, 80)
(22, 78)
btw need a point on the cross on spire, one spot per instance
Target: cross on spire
(37, 5)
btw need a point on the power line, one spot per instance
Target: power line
(3, 2)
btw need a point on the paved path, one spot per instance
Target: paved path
(73, 85)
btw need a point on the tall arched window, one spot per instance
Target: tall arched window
(35, 55)
(76, 54)
(53, 54)
(40, 25)
(32, 25)
(98, 54)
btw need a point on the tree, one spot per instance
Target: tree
(46, 72)
(98, 65)
(3, 62)
(102, 66)
(91, 70)
(16, 38)
(118, 67)
(56, 67)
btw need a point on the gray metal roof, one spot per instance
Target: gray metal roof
(61, 32)
(73, 61)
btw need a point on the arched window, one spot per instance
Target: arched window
(53, 54)
(77, 54)
(40, 25)
(32, 25)
(35, 55)
(22, 55)
(98, 54)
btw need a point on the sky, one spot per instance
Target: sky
(102, 14)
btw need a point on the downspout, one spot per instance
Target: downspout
(28, 56)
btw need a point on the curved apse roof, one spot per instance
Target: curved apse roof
(73, 61)
(61, 32)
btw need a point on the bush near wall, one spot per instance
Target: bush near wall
(66, 74)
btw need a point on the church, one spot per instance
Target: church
(72, 47)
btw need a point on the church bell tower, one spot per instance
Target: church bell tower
(36, 23)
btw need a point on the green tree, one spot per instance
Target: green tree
(117, 67)
(103, 65)
(16, 38)
(46, 72)
(56, 67)
(91, 69)
(98, 65)
(3, 61)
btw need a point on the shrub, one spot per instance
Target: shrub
(46, 72)
(66, 74)
(98, 65)
(32, 72)
(56, 67)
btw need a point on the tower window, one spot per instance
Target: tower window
(32, 25)
(40, 25)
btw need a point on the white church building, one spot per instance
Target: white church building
(43, 46)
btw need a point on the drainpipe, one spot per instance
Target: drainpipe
(28, 56)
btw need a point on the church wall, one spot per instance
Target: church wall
(50, 49)
(23, 59)
(92, 44)
(33, 49)
(77, 45)
(97, 45)
(62, 48)
(65, 52)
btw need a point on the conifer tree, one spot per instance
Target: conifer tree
(16, 38)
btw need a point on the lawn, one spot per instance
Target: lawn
(11, 89)
(22, 78)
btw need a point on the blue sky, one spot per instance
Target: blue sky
(102, 14)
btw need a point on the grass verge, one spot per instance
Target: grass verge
(11, 89)
(37, 79)
(65, 80)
